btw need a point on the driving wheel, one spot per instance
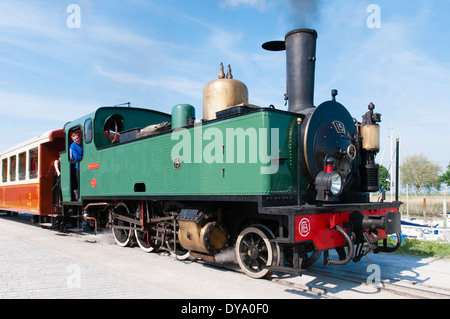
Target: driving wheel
(121, 230)
(255, 253)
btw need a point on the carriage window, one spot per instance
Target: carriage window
(88, 131)
(5, 170)
(33, 162)
(12, 168)
(22, 166)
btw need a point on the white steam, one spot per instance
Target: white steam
(304, 13)
(227, 256)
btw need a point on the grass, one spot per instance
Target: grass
(414, 205)
(433, 211)
(419, 248)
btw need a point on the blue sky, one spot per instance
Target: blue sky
(159, 53)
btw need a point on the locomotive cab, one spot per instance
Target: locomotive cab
(107, 127)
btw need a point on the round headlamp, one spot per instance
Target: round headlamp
(335, 181)
(328, 186)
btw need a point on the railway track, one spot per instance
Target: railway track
(295, 287)
(402, 288)
(391, 286)
(305, 289)
(386, 288)
(318, 282)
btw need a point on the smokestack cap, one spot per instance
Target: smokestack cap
(313, 32)
(281, 45)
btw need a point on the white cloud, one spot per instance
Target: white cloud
(259, 5)
(175, 83)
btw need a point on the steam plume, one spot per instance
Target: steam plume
(304, 13)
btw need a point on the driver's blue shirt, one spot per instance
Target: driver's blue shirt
(77, 152)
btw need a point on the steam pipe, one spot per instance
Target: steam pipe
(350, 249)
(95, 223)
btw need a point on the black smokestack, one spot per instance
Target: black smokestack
(300, 46)
(301, 65)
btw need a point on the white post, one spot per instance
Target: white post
(392, 160)
(407, 201)
(399, 171)
(444, 208)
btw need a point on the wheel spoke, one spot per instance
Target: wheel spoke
(246, 243)
(263, 259)
(247, 260)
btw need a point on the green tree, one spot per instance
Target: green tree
(384, 178)
(420, 172)
(445, 178)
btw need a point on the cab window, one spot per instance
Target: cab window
(113, 126)
(88, 131)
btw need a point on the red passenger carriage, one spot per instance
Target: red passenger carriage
(28, 172)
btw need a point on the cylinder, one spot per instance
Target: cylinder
(182, 115)
(208, 239)
(300, 64)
